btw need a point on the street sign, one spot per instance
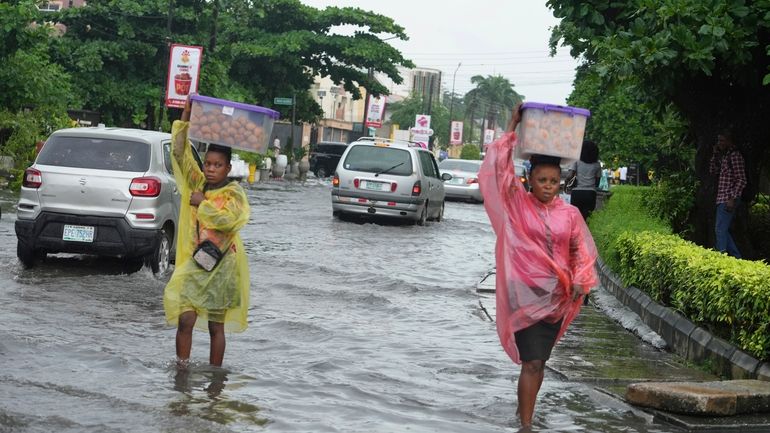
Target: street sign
(421, 131)
(282, 101)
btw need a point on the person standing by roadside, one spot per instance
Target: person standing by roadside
(212, 212)
(588, 172)
(545, 260)
(729, 167)
(623, 175)
(276, 146)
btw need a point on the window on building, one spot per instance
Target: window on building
(50, 6)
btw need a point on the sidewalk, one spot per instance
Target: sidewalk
(598, 351)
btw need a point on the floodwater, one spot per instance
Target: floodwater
(371, 327)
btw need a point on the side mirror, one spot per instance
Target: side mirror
(446, 176)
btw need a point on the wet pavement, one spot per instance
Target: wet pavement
(372, 327)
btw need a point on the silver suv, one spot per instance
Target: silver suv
(101, 191)
(391, 178)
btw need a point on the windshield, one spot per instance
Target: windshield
(375, 159)
(468, 166)
(96, 153)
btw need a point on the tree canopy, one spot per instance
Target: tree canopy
(494, 97)
(706, 58)
(405, 112)
(116, 52)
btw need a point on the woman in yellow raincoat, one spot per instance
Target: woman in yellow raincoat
(214, 209)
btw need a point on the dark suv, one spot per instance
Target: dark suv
(325, 156)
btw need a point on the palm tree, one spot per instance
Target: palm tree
(494, 94)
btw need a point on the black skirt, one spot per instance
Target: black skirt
(536, 342)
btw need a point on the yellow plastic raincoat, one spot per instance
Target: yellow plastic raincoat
(221, 295)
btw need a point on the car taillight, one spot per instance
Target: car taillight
(417, 188)
(393, 187)
(336, 180)
(145, 187)
(356, 183)
(472, 180)
(32, 178)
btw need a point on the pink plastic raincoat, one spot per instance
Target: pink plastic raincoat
(542, 251)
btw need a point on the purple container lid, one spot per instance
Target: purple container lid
(256, 108)
(562, 108)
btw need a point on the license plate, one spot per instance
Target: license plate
(78, 233)
(456, 181)
(373, 186)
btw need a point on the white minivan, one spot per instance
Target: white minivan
(392, 178)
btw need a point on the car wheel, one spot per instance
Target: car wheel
(160, 260)
(423, 215)
(28, 257)
(321, 172)
(440, 216)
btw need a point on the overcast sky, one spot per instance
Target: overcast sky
(488, 37)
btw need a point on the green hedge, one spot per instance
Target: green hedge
(623, 212)
(730, 297)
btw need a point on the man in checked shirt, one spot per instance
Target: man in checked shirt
(728, 164)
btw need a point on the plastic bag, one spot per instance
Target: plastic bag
(542, 250)
(604, 184)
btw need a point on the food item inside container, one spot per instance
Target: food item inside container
(552, 130)
(237, 125)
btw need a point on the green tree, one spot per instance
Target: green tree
(34, 91)
(494, 97)
(405, 112)
(627, 127)
(116, 52)
(708, 58)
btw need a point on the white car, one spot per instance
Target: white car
(101, 191)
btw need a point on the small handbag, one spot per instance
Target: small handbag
(207, 255)
(570, 183)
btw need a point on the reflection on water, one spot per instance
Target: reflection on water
(201, 395)
(353, 327)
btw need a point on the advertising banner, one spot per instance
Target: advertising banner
(456, 133)
(422, 121)
(376, 112)
(184, 67)
(489, 136)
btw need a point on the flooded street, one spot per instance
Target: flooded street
(353, 328)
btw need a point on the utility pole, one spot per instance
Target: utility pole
(364, 128)
(293, 119)
(164, 71)
(452, 100)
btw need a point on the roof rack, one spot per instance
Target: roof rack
(390, 140)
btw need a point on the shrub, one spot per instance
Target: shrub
(470, 151)
(728, 296)
(623, 212)
(759, 226)
(672, 199)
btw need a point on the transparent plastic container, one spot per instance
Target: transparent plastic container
(232, 124)
(554, 130)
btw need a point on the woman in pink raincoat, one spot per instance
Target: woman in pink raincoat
(545, 260)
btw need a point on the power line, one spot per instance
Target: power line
(460, 53)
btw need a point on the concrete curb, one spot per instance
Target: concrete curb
(683, 337)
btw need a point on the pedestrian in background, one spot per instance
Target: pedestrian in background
(545, 261)
(276, 146)
(212, 212)
(729, 167)
(623, 175)
(588, 173)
